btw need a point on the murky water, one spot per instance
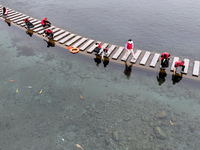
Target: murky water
(66, 99)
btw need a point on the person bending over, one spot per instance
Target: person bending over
(104, 53)
(179, 63)
(48, 33)
(45, 22)
(164, 59)
(28, 23)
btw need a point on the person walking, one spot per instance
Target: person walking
(129, 47)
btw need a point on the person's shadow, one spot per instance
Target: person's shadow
(29, 32)
(50, 43)
(176, 78)
(161, 77)
(128, 69)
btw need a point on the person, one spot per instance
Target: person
(28, 23)
(104, 53)
(129, 47)
(5, 12)
(128, 70)
(161, 77)
(48, 32)
(97, 47)
(179, 63)
(164, 59)
(45, 22)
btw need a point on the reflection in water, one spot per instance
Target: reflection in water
(161, 76)
(8, 22)
(105, 61)
(176, 78)
(128, 70)
(97, 60)
(50, 43)
(29, 32)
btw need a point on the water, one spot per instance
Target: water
(157, 26)
(87, 104)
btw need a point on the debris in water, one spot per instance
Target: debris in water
(41, 91)
(29, 87)
(79, 146)
(16, 90)
(171, 122)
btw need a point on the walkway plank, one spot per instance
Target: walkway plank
(17, 14)
(37, 26)
(118, 52)
(17, 17)
(61, 36)
(145, 57)
(45, 28)
(126, 55)
(20, 19)
(37, 22)
(66, 38)
(111, 49)
(12, 14)
(196, 68)
(187, 61)
(155, 60)
(88, 43)
(72, 40)
(90, 50)
(173, 63)
(59, 32)
(136, 54)
(77, 44)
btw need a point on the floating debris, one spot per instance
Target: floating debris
(16, 90)
(171, 122)
(81, 96)
(11, 80)
(41, 91)
(63, 139)
(29, 87)
(79, 146)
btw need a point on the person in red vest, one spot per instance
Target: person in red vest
(45, 22)
(28, 23)
(164, 59)
(129, 47)
(179, 63)
(48, 32)
(5, 12)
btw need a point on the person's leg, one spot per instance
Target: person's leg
(126, 53)
(102, 55)
(174, 70)
(183, 67)
(132, 54)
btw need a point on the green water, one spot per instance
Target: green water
(97, 107)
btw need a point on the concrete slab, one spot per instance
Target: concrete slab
(67, 38)
(155, 60)
(136, 54)
(118, 52)
(145, 57)
(61, 36)
(187, 61)
(196, 68)
(70, 42)
(87, 44)
(78, 43)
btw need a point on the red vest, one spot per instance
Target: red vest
(99, 45)
(129, 46)
(167, 55)
(26, 20)
(43, 21)
(179, 63)
(48, 31)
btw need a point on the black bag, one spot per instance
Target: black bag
(97, 49)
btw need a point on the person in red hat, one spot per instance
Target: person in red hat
(28, 23)
(179, 63)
